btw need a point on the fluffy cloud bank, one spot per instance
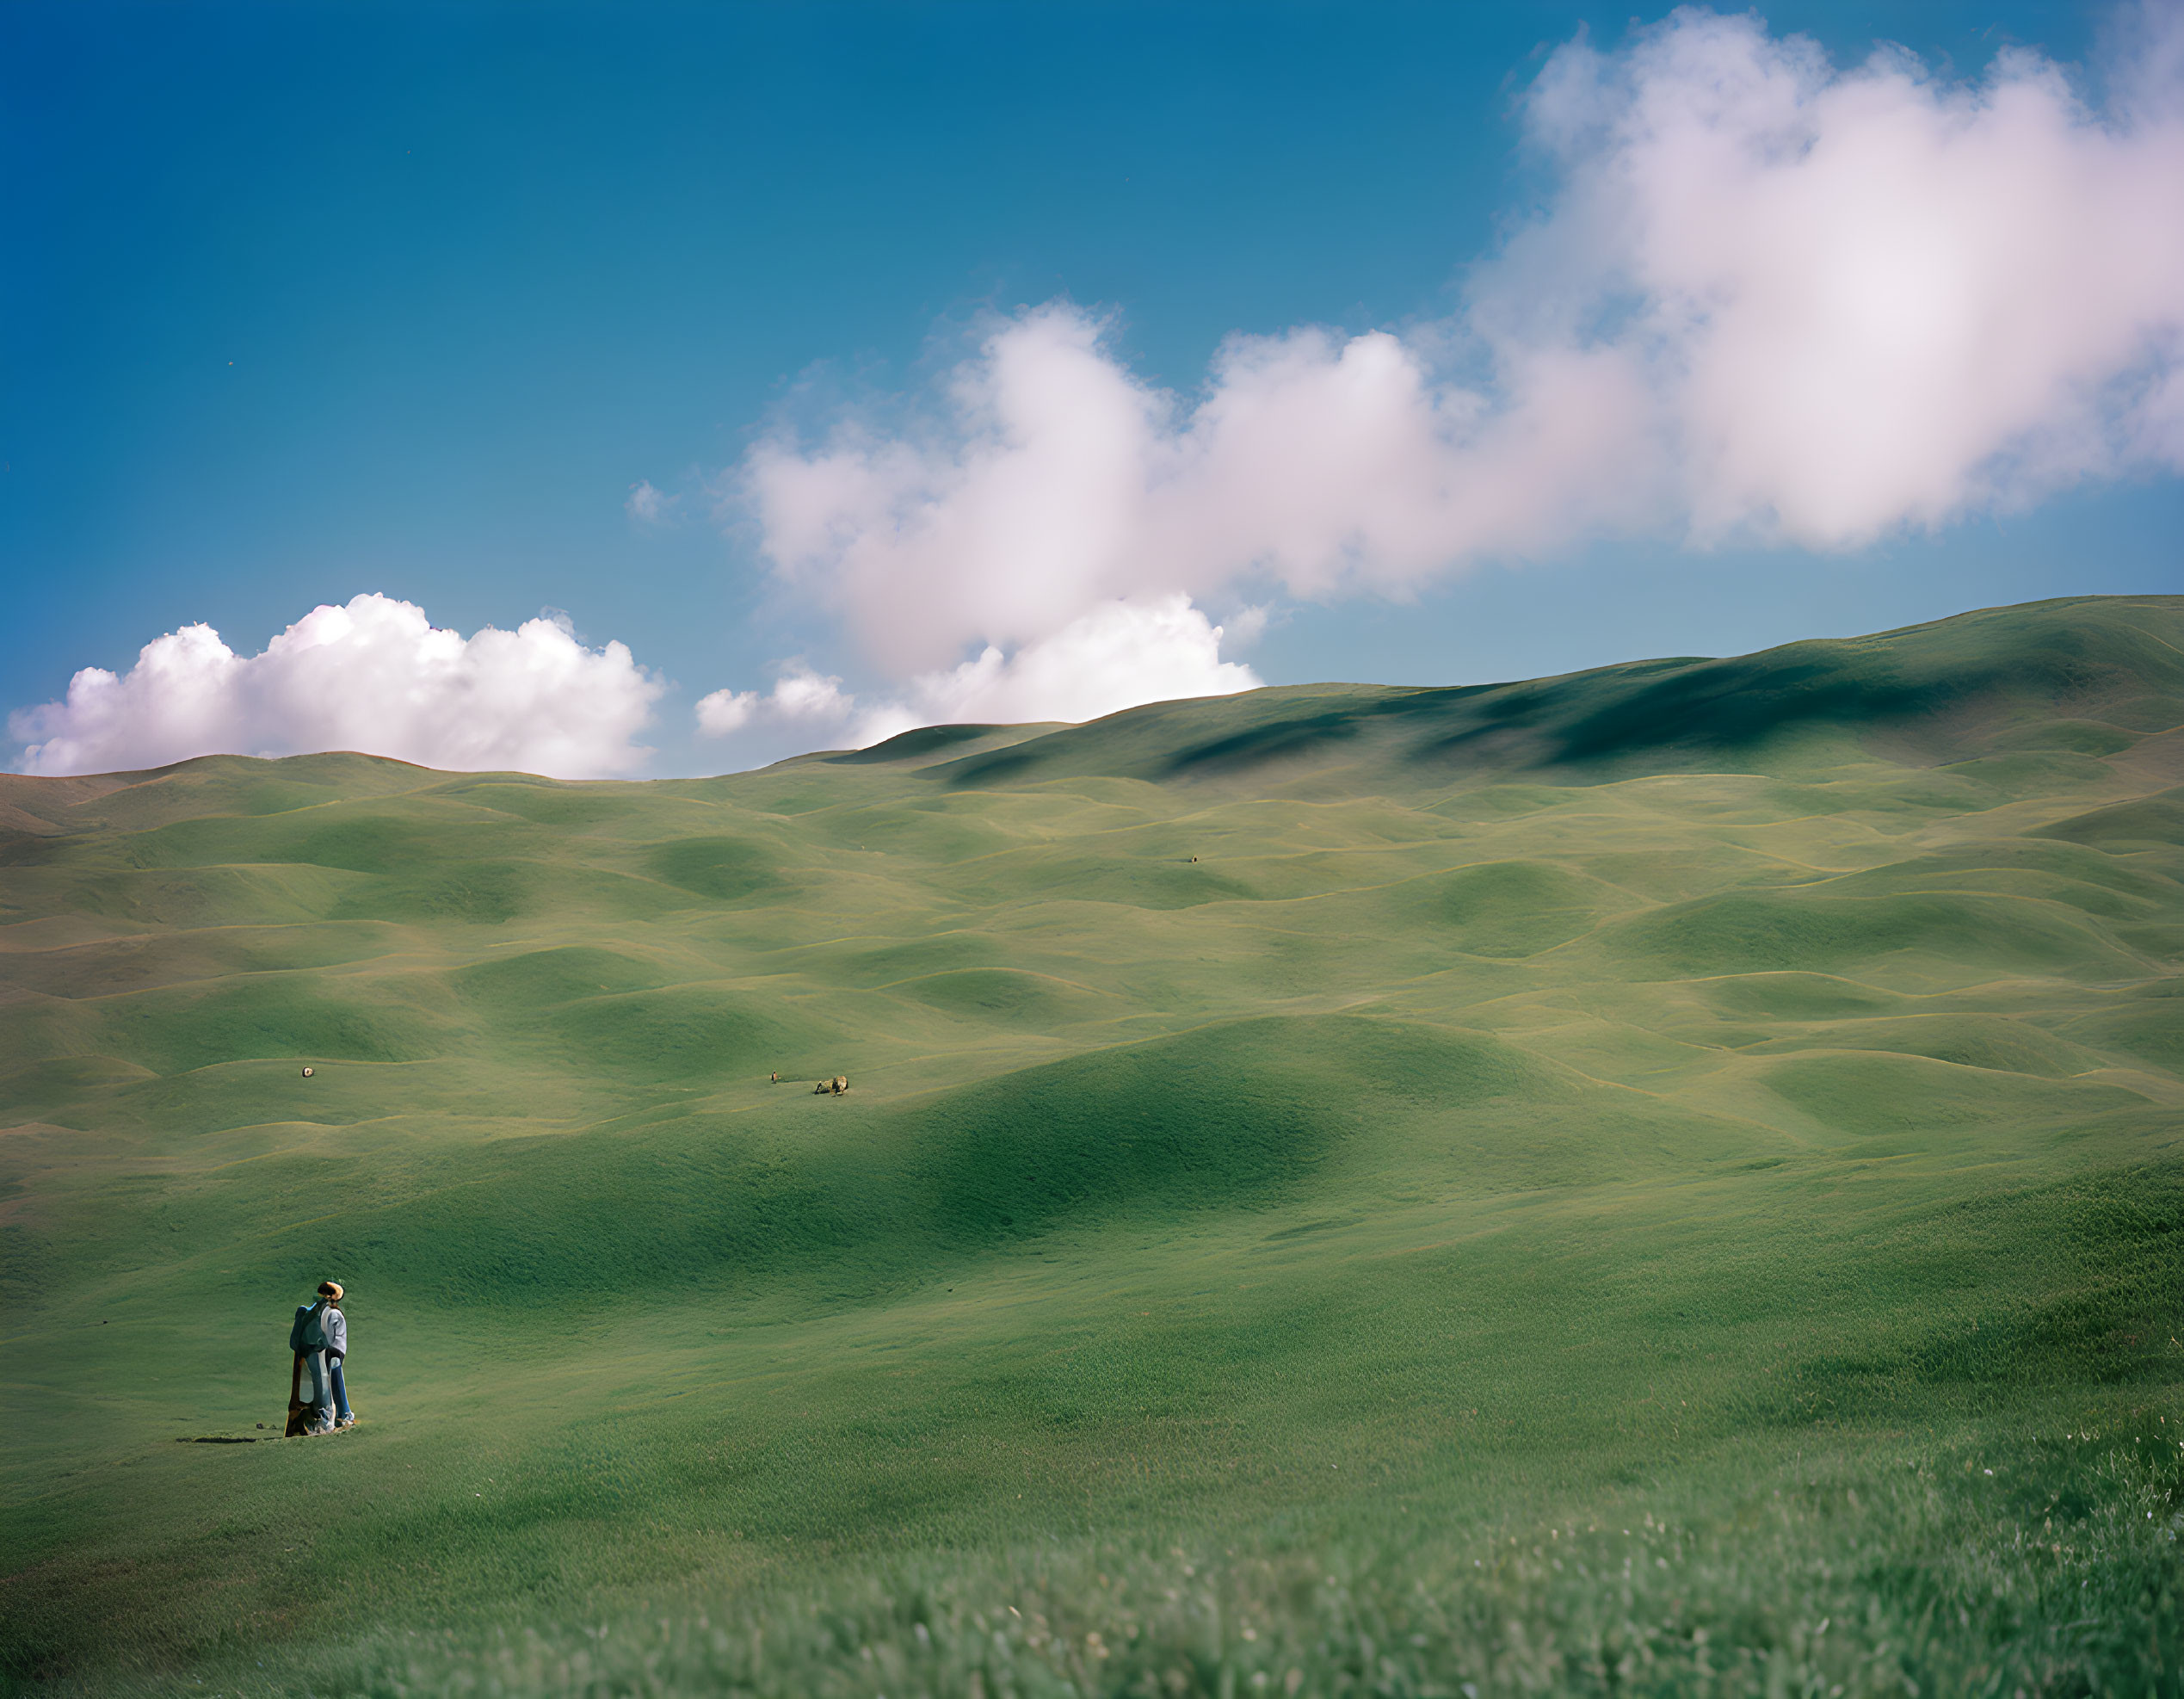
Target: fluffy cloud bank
(1114, 657)
(1768, 299)
(375, 676)
(1869, 300)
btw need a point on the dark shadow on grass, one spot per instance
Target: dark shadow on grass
(925, 740)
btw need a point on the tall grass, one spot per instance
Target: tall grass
(2003, 1563)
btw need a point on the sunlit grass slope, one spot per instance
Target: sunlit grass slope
(1668, 1179)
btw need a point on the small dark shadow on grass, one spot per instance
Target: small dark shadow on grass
(1304, 1227)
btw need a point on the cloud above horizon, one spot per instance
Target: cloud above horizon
(1117, 656)
(374, 677)
(1768, 301)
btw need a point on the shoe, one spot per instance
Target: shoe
(346, 1421)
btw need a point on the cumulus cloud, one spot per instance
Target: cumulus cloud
(1868, 301)
(375, 676)
(1766, 299)
(1117, 656)
(800, 697)
(647, 504)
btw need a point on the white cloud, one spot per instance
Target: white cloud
(375, 676)
(1004, 531)
(1246, 628)
(723, 712)
(1869, 300)
(799, 696)
(1119, 655)
(1768, 299)
(647, 504)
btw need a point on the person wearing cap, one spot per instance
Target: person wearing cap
(308, 1339)
(334, 1325)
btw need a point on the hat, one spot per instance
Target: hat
(332, 1289)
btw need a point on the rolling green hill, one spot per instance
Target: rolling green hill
(1666, 1179)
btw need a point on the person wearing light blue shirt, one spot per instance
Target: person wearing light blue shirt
(334, 1325)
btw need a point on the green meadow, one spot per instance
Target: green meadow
(1664, 1180)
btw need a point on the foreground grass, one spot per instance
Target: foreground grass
(1609, 1441)
(1999, 1562)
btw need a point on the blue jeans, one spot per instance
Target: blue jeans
(342, 1412)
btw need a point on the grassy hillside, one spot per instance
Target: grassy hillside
(1665, 1179)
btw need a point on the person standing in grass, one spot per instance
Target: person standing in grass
(307, 1339)
(334, 1325)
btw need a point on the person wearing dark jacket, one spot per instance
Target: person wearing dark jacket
(308, 1339)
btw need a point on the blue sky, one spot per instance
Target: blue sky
(303, 303)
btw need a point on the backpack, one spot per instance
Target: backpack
(307, 1332)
